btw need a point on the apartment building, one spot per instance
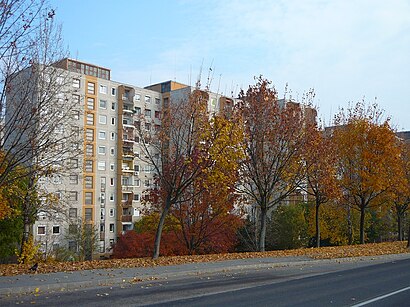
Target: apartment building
(107, 180)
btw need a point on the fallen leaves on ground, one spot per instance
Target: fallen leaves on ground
(373, 249)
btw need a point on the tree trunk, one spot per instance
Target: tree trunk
(349, 226)
(399, 227)
(317, 224)
(362, 216)
(262, 234)
(159, 229)
(408, 240)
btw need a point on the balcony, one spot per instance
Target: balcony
(126, 218)
(127, 188)
(128, 153)
(128, 111)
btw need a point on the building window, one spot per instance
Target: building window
(111, 197)
(147, 183)
(76, 83)
(112, 182)
(157, 115)
(102, 246)
(72, 246)
(73, 179)
(137, 97)
(102, 213)
(112, 151)
(76, 99)
(112, 212)
(148, 99)
(56, 230)
(112, 136)
(89, 166)
(89, 134)
(72, 196)
(101, 150)
(90, 103)
(103, 104)
(74, 163)
(75, 114)
(101, 165)
(41, 230)
(72, 229)
(88, 196)
(112, 120)
(89, 150)
(148, 126)
(113, 106)
(136, 197)
(72, 212)
(88, 214)
(112, 228)
(137, 183)
(112, 166)
(101, 135)
(102, 119)
(88, 182)
(113, 91)
(91, 88)
(137, 111)
(147, 169)
(90, 119)
(147, 113)
(103, 89)
(157, 100)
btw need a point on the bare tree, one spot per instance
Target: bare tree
(37, 108)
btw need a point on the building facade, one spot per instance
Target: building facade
(107, 180)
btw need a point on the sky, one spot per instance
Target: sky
(345, 50)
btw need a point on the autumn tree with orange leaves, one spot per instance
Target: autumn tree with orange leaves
(401, 190)
(369, 158)
(321, 173)
(275, 138)
(187, 148)
(206, 219)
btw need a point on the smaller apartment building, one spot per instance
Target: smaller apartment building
(108, 179)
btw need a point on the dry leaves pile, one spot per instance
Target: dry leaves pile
(315, 253)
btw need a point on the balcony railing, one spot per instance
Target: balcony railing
(126, 218)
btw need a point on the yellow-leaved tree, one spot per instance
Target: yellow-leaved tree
(369, 157)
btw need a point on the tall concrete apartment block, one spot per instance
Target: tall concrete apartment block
(106, 188)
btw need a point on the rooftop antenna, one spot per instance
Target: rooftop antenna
(219, 84)
(198, 81)
(210, 76)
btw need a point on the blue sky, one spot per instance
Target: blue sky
(347, 50)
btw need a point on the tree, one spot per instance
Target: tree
(275, 137)
(288, 229)
(369, 157)
(321, 173)
(36, 105)
(401, 190)
(207, 218)
(85, 238)
(180, 151)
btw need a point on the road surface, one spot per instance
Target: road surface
(316, 284)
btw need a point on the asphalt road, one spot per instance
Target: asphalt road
(347, 284)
